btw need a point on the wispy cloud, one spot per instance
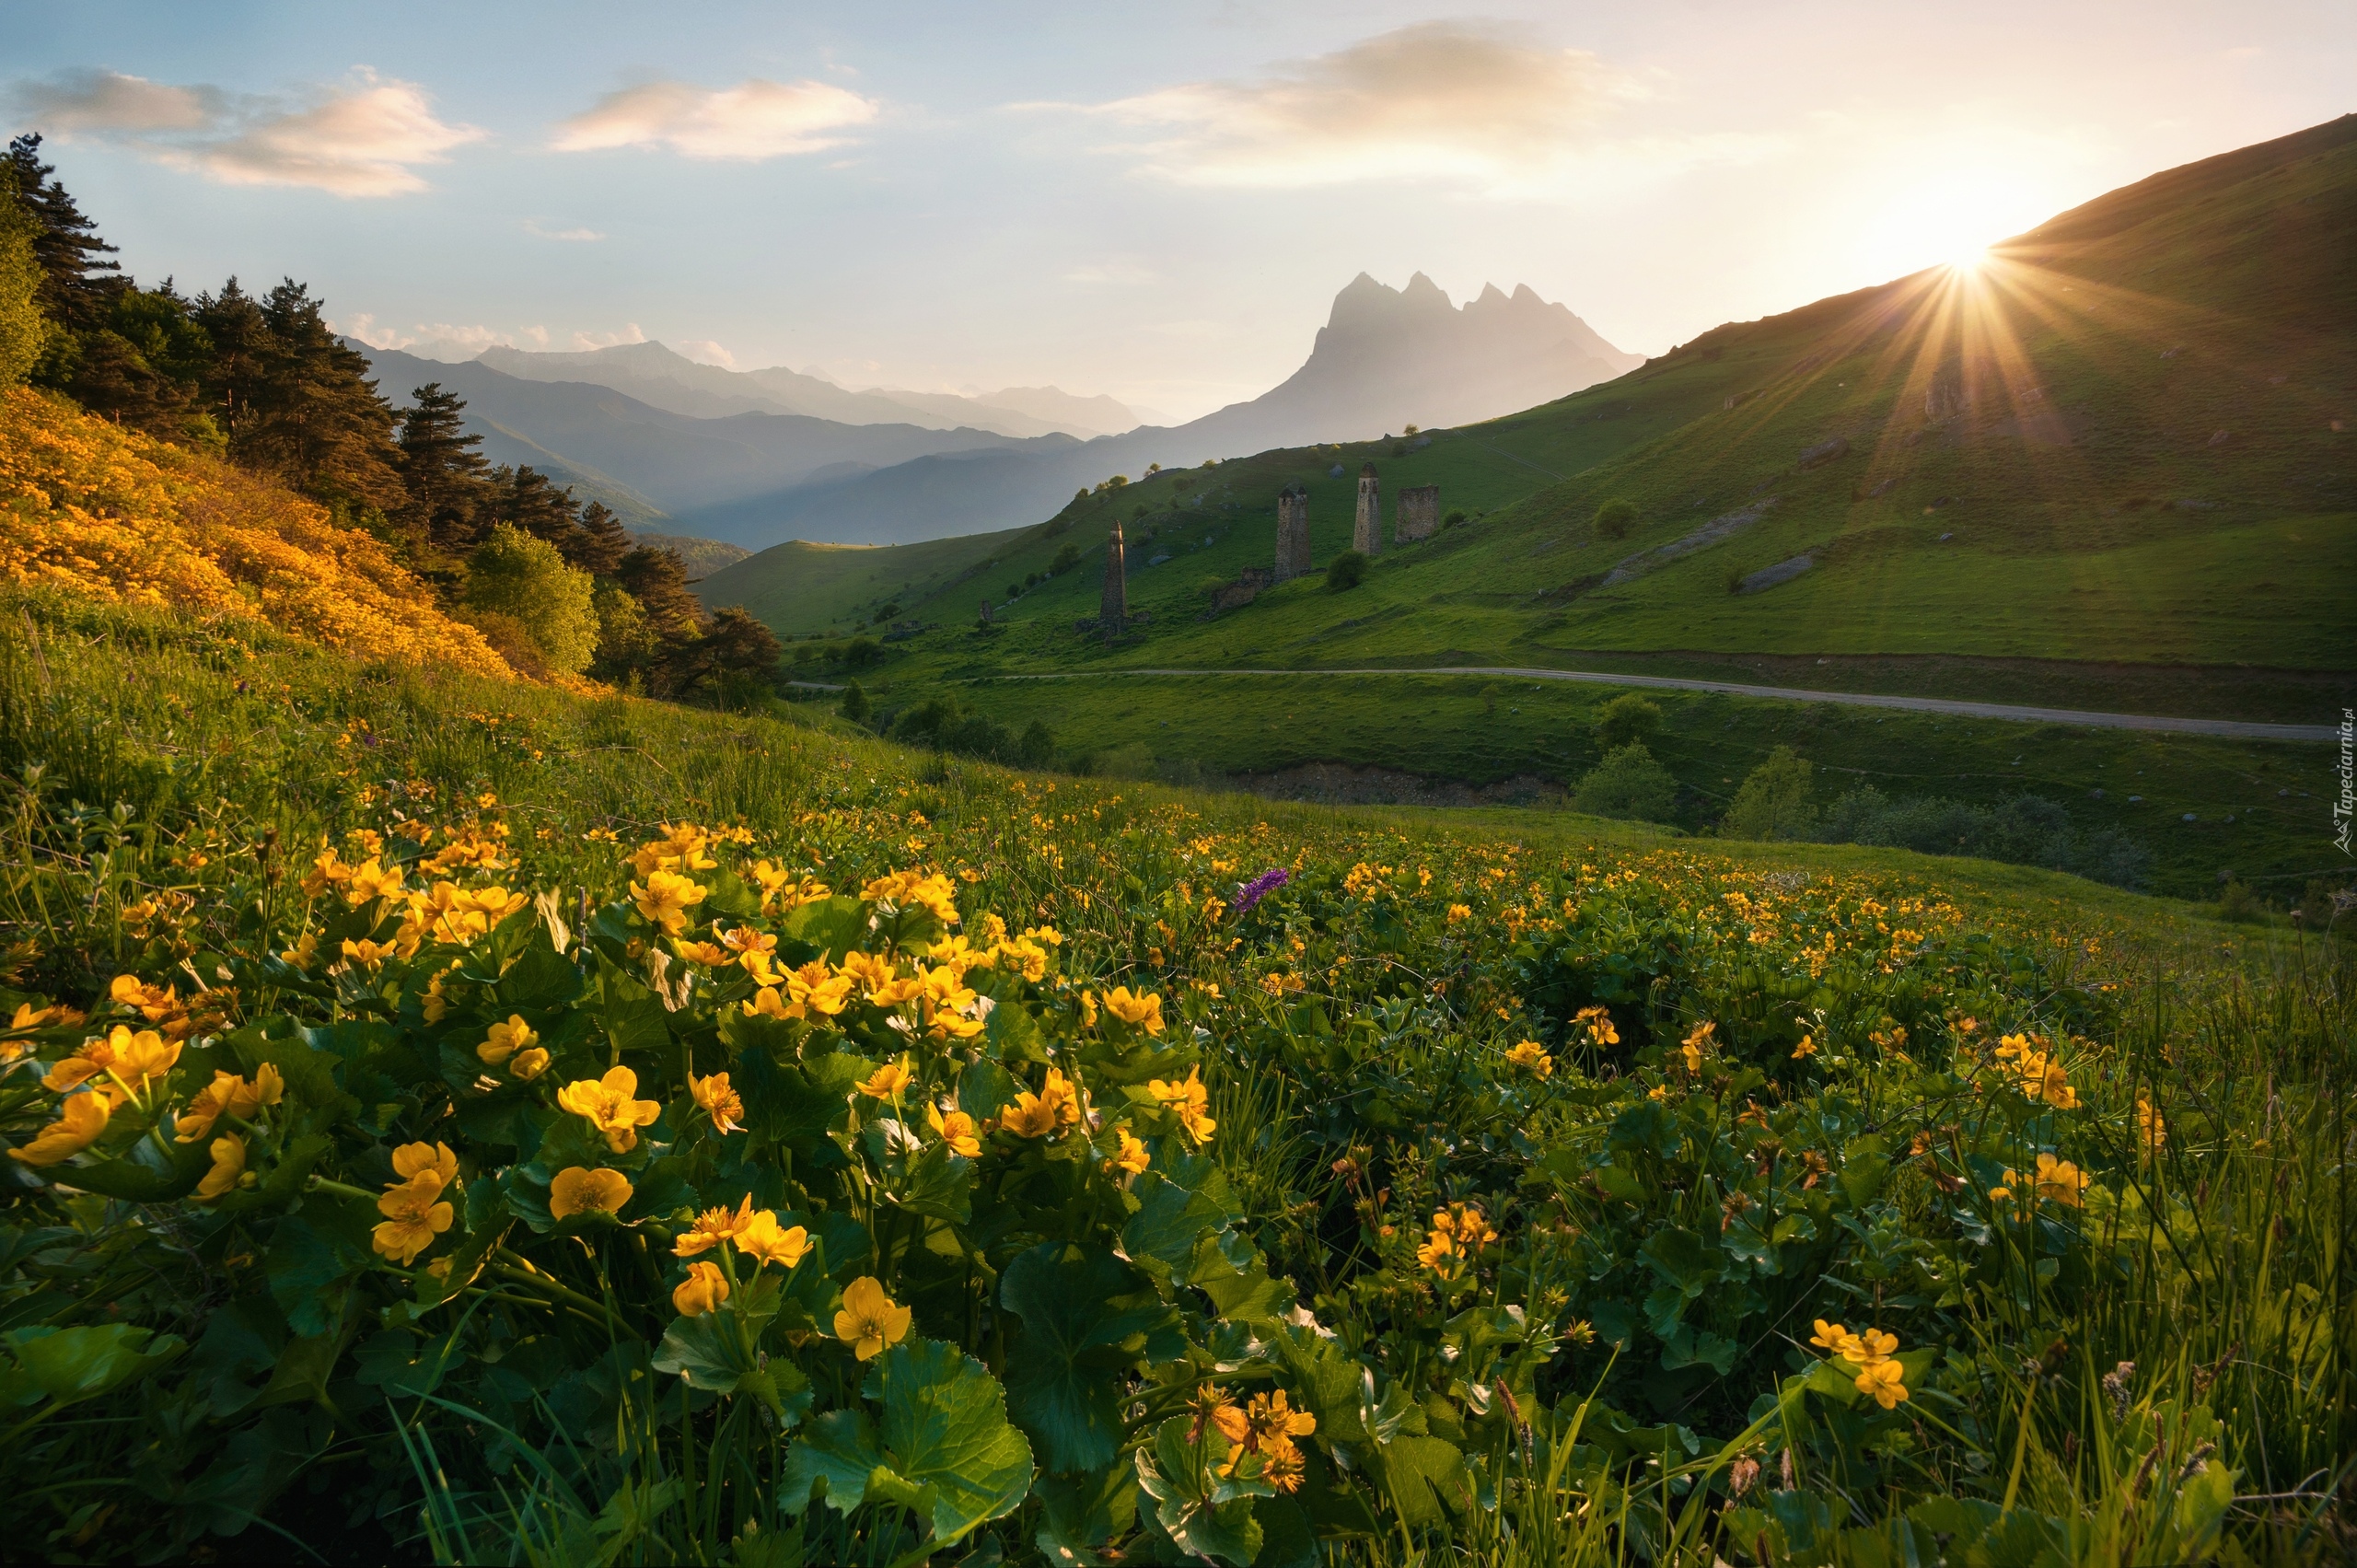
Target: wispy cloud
(756, 118)
(1444, 99)
(367, 138)
(629, 334)
(438, 340)
(578, 236)
(703, 351)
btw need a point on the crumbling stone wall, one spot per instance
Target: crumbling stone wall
(1366, 533)
(1419, 513)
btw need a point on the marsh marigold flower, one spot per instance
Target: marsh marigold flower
(612, 1106)
(1042, 1114)
(704, 1290)
(1532, 1057)
(869, 1321)
(130, 1058)
(1882, 1380)
(228, 1164)
(723, 1104)
(1598, 1023)
(714, 1226)
(1696, 1044)
(79, 1121)
(664, 898)
(1190, 1101)
(1130, 1155)
(956, 1128)
(505, 1040)
(764, 1241)
(228, 1095)
(1869, 1347)
(1138, 1010)
(888, 1080)
(414, 1213)
(579, 1190)
(1832, 1338)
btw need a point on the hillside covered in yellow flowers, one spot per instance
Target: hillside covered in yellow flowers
(106, 514)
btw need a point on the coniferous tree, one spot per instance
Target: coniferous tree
(737, 651)
(446, 478)
(601, 542)
(78, 284)
(657, 578)
(293, 400)
(529, 500)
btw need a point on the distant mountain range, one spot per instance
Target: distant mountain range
(756, 457)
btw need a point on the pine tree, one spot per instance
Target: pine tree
(737, 651)
(446, 478)
(531, 501)
(658, 580)
(601, 541)
(79, 285)
(293, 400)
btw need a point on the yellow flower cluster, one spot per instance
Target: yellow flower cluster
(2030, 1062)
(107, 513)
(1869, 1351)
(1262, 1432)
(1459, 1231)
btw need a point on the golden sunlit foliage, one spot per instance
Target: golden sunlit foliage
(103, 513)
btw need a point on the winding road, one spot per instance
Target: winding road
(2233, 729)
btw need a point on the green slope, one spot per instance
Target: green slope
(2114, 449)
(799, 590)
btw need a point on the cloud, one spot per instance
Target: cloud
(703, 351)
(629, 334)
(366, 139)
(753, 119)
(1444, 100)
(437, 340)
(532, 226)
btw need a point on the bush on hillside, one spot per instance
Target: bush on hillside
(2028, 829)
(1774, 801)
(1628, 783)
(1625, 720)
(1615, 518)
(1346, 572)
(526, 580)
(857, 704)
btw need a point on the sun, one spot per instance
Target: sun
(1969, 260)
(1948, 218)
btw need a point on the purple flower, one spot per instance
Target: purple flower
(1253, 891)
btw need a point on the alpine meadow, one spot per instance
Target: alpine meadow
(1741, 956)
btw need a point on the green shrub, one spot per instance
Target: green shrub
(1346, 572)
(1625, 720)
(1615, 518)
(857, 706)
(526, 580)
(1775, 800)
(1629, 783)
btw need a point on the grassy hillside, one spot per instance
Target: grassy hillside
(800, 589)
(2123, 447)
(1573, 1188)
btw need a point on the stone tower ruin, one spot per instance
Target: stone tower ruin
(1293, 533)
(1418, 514)
(1115, 608)
(1366, 536)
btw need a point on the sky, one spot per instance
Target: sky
(1154, 200)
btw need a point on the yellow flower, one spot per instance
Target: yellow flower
(711, 955)
(665, 898)
(414, 1214)
(1282, 1465)
(528, 1065)
(1190, 1101)
(1697, 1043)
(706, 1288)
(79, 1121)
(2150, 1131)
(2059, 1180)
(1599, 1025)
(305, 952)
(1806, 1047)
(1533, 1057)
(682, 848)
(1439, 1253)
(371, 882)
(1882, 1379)
(1870, 1347)
(1459, 912)
(904, 888)
(1131, 1157)
(228, 1164)
(956, 1128)
(719, 1102)
(1088, 1009)
(764, 1242)
(814, 990)
(579, 1190)
(1267, 1419)
(1042, 1115)
(612, 1106)
(868, 1320)
(744, 941)
(505, 1040)
(132, 1059)
(230, 1095)
(1831, 1337)
(714, 1226)
(888, 1080)
(1138, 1011)
(411, 1158)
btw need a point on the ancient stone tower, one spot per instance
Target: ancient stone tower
(1366, 535)
(1115, 608)
(1293, 532)
(1419, 513)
